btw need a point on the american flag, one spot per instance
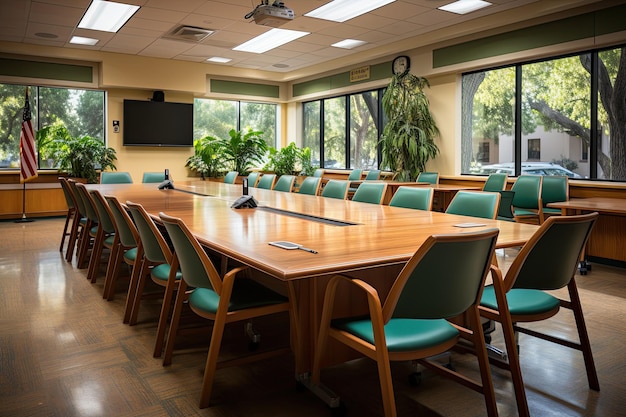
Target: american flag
(28, 153)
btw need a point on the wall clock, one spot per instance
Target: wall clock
(401, 64)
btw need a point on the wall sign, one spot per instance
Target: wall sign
(360, 74)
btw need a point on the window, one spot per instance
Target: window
(218, 117)
(544, 112)
(80, 111)
(483, 152)
(534, 149)
(343, 132)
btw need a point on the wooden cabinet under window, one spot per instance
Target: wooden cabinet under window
(44, 196)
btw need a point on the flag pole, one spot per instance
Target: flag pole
(28, 154)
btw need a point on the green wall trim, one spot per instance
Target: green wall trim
(46, 70)
(377, 72)
(560, 31)
(248, 89)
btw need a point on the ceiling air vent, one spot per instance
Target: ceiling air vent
(189, 34)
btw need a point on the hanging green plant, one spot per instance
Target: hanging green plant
(408, 138)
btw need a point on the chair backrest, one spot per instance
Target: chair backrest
(372, 175)
(370, 192)
(90, 208)
(420, 198)
(430, 286)
(285, 183)
(429, 177)
(554, 188)
(505, 212)
(153, 243)
(68, 194)
(336, 189)
(310, 185)
(80, 205)
(153, 177)
(124, 226)
(475, 204)
(319, 173)
(355, 175)
(196, 266)
(231, 177)
(266, 182)
(253, 178)
(549, 259)
(105, 217)
(495, 182)
(115, 178)
(527, 191)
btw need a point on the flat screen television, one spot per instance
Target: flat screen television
(157, 123)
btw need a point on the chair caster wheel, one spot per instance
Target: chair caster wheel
(340, 411)
(415, 378)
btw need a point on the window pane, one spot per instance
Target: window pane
(611, 145)
(260, 116)
(311, 127)
(556, 114)
(488, 122)
(11, 105)
(363, 130)
(214, 118)
(335, 133)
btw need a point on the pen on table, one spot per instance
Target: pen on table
(307, 249)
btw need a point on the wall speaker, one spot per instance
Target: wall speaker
(158, 96)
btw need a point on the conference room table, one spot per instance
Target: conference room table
(368, 241)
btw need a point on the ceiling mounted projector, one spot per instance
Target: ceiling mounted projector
(273, 15)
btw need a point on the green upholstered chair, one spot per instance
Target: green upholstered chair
(410, 323)
(125, 247)
(78, 223)
(505, 212)
(319, 173)
(114, 177)
(547, 262)
(336, 189)
(104, 237)
(253, 178)
(310, 185)
(370, 192)
(527, 204)
(372, 175)
(420, 198)
(554, 188)
(231, 177)
(72, 213)
(285, 183)
(266, 181)
(475, 204)
(90, 227)
(153, 177)
(355, 175)
(495, 182)
(159, 262)
(429, 177)
(220, 299)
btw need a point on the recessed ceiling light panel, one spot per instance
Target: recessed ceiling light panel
(79, 40)
(348, 44)
(219, 60)
(464, 6)
(270, 40)
(107, 16)
(342, 10)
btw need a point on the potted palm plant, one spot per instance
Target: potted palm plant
(207, 159)
(408, 138)
(243, 149)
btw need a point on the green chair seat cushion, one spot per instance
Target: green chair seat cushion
(109, 239)
(402, 334)
(523, 212)
(131, 254)
(246, 294)
(551, 210)
(162, 272)
(521, 301)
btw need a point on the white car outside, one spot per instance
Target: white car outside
(533, 168)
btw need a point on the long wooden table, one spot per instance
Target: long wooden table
(366, 240)
(608, 237)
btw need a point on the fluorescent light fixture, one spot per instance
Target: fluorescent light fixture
(464, 6)
(270, 40)
(342, 10)
(348, 44)
(79, 40)
(107, 16)
(219, 60)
